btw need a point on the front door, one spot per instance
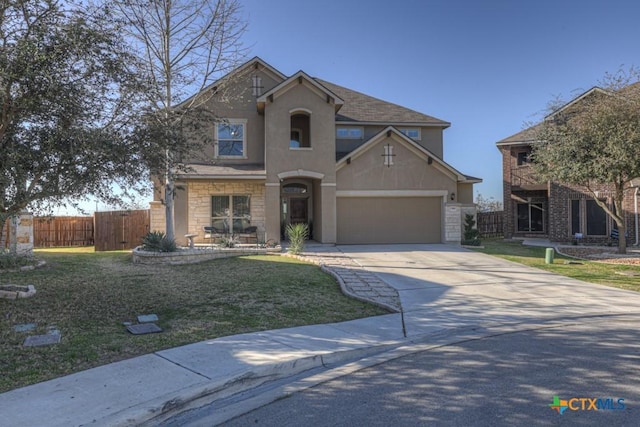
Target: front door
(299, 210)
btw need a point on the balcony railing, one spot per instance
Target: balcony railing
(524, 176)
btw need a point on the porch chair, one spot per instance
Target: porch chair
(212, 233)
(249, 233)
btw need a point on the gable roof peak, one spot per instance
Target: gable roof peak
(288, 83)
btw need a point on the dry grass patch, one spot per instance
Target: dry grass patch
(87, 296)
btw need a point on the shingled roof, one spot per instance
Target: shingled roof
(359, 107)
(524, 136)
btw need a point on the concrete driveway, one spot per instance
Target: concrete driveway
(445, 287)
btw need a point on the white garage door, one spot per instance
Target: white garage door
(363, 220)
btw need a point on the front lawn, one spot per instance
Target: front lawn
(88, 295)
(589, 271)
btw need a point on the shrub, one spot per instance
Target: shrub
(471, 234)
(157, 241)
(11, 261)
(228, 242)
(297, 234)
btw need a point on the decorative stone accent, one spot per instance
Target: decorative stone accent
(51, 337)
(25, 327)
(147, 318)
(14, 291)
(144, 328)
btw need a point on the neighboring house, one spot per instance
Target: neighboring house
(553, 210)
(297, 149)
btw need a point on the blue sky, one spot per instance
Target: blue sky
(486, 66)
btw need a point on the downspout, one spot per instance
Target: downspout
(635, 208)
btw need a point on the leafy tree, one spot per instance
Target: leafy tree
(185, 45)
(595, 142)
(69, 94)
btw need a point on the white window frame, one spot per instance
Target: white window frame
(242, 122)
(349, 129)
(405, 132)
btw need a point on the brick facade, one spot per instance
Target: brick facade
(519, 185)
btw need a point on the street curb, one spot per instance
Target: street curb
(159, 409)
(420, 343)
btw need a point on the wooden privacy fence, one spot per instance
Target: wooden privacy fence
(56, 231)
(490, 223)
(119, 230)
(62, 231)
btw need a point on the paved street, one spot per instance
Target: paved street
(504, 380)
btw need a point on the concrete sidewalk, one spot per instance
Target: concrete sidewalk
(164, 383)
(444, 290)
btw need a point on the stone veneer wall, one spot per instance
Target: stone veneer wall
(21, 239)
(157, 217)
(200, 193)
(454, 221)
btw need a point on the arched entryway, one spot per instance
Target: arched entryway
(296, 204)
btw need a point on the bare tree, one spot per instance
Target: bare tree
(186, 45)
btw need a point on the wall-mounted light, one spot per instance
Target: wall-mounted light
(453, 196)
(429, 160)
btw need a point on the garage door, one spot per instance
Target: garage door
(364, 220)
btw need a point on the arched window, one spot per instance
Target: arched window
(294, 188)
(300, 130)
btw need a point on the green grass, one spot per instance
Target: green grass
(589, 271)
(87, 295)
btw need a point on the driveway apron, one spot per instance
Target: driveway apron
(444, 287)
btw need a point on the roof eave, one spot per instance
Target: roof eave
(443, 125)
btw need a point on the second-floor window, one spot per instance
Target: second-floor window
(231, 139)
(300, 130)
(523, 158)
(413, 133)
(349, 132)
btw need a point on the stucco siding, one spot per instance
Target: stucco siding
(409, 171)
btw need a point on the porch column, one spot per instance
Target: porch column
(272, 211)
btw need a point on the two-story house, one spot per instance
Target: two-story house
(557, 211)
(297, 149)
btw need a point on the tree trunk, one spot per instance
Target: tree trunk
(3, 231)
(168, 210)
(622, 238)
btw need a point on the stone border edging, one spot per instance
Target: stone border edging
(343, 286)
(39, 264)
(193, 256)
(28, 291)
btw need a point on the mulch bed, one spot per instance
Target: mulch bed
(602, 254)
